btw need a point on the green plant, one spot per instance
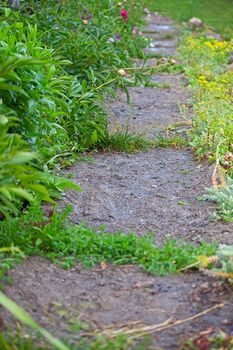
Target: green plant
(224, 198)
(26, 319)
(57, 91)
(165, 142)
(212, 130)
(19, 174)
(125, 141)
(19, 342)
(59, 239)
(33, 88)
(225, 254)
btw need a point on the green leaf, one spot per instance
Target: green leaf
(23, 157)
(42, 190)
(26, 319)
(64, 183)
(19, 191)
(3, 119)
(94, 136)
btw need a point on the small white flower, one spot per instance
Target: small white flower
(122, 72)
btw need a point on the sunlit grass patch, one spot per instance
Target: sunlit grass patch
(170, 142)
(125, 141)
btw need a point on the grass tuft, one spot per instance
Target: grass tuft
(170, 142)
(125, 141)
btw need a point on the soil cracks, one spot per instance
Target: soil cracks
(154, 191)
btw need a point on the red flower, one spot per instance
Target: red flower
(124, 15)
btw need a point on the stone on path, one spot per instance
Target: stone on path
(159, 28)
(160, 51)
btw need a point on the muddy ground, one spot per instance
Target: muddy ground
(107, 298)
(154, 191)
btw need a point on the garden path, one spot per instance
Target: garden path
(154, 191)
(157, 190)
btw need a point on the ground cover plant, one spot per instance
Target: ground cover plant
(60, 240)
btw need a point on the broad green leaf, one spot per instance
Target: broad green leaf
(64, 183)
(19, 191)
(3, 119)
(23, 157)
(41, 190)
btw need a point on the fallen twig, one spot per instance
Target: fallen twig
(139, 332)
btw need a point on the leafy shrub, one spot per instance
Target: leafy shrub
(81, 31)
(63, 113)
(33, 88)
(19, 174)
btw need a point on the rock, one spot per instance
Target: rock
(195, 22)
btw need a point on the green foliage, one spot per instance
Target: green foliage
(20, 179)
(19, 342)
(91, 69)
(56, 68)
(20, 176)
(225, 254)
(57, 90)
(205, 61)
(125, 141)
(224, 198)
(32, 87)
(174, 142)
(26, 319)
(60, 239)
(82, 31)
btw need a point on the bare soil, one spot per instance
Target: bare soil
(154, 191)
(109, 297)
(151, 110)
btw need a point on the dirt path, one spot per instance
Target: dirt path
(153, 191)
(99, 298)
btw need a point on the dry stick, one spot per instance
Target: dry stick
(120, 331)
(161, 64)
(228, 275)
(176, 323)
(165, 325)
(217, 171)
